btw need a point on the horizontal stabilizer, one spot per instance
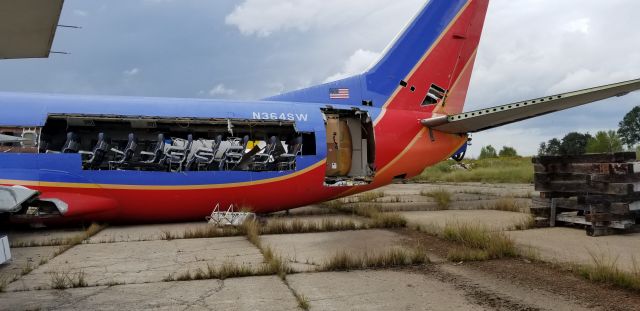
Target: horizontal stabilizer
(484, 119)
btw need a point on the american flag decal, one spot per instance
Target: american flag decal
(339, 93)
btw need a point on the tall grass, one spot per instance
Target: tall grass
(479, 242)
(499, 170)
(274, 264)
(441, 196)
(369, 197)
(604, 269)
(346, 260)
(225, 271)
(283, 226)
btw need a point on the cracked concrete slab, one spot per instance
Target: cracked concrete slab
(42, 237)
(496, 220)
(570, 245)
(144, 232)
(378, 290)
(26, 258)
(307, 252)
(141, 262)
(254, 293)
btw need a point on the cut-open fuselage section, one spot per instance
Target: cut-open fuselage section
(350, 147)
(108, 142)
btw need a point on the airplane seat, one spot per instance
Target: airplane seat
(287, 161)
(235, 153)
(221, 154)
(95, 157)
(72, 145)
(204, 156)
(262, 160)
(124, 157)
(178, 155)
(156, 155)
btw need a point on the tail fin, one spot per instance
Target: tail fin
(427, 67)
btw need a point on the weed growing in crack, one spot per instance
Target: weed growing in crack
(346, 261)
(67, 279)
(441, 196)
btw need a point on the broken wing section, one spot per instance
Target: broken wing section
(488, 118)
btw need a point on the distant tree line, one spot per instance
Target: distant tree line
(603, 142)
(488, 152)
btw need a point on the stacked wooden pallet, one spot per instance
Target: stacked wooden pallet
(599, 191)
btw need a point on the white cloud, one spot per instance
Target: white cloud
(356, 64)
(79, 12)
(264, 17)
(131, 72)
(221, 90)
(581, 25)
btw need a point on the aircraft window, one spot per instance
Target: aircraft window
(178, 145)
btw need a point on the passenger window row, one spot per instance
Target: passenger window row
(177, 154)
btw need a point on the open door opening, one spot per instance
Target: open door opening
(350, 148)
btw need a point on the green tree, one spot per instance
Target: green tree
(508, 152)
(574, 144)
(630, 128)
(605, 142)
(488, 152)
(550, 148)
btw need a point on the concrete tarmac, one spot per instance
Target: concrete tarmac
(129, 267)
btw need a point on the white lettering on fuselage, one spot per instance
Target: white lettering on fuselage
(302, 117)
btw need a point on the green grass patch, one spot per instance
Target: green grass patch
(441, 196)
(479, 239)
(497, 170)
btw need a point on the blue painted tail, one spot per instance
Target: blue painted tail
(436, 48)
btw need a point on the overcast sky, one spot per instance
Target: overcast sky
(249, 49)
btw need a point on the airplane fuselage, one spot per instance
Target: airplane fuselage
(403, 149)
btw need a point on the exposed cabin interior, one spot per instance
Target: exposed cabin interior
(350, 147)
(172, 144)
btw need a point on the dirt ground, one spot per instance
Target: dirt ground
(128, 267)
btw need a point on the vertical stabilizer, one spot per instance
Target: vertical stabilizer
(427, 67)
